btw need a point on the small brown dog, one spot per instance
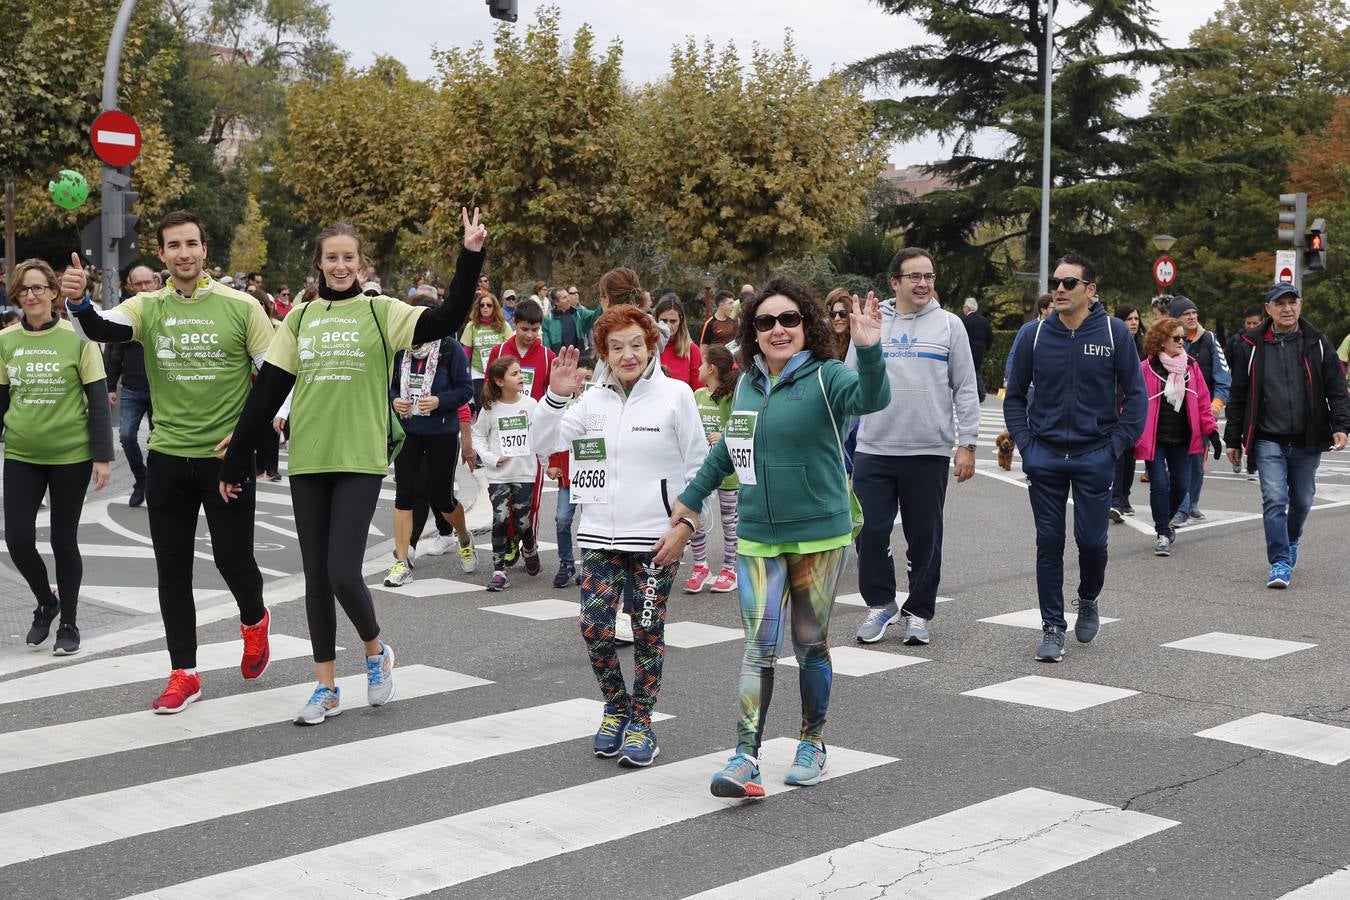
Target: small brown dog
(1006, 446)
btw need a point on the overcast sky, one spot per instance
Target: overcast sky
(829, 33)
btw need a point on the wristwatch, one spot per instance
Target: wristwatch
(970, 447)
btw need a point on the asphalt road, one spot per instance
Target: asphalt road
(477, 781)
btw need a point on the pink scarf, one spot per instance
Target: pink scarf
(1174, 391)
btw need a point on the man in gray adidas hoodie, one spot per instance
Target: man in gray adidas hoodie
(903, 451)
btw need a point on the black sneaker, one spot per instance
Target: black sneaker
(42, 623)
(1117, 514)
(532, 564)
(566, 572)
(1089, 622)
(137, 494)
(67, 640)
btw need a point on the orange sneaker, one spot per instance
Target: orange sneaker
(698, 577)
(725, 582)
(257, 650)
(181, 691)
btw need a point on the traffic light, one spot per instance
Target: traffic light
(502, 9)
(1315, 246)
(1293, 217)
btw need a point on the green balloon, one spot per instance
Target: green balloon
(69, 190)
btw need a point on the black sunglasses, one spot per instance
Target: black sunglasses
(789, 319)
(839, 314)
(1069, 283)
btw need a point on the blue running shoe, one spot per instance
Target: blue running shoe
(324, 703)
(739, 779)
(809, 766)
(639, 745)
(609, 738)
(1279, 576)
(380, 676)
(1293, 554)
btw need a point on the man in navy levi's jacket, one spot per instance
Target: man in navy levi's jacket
(1070, 433)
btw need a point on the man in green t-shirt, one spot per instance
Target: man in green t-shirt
(202, 340)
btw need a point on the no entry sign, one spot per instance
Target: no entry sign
(116, 138)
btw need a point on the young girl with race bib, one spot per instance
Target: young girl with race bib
(501, 438)
(718, 375)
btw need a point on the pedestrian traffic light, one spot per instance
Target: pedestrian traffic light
(1315, 246)
(502, 9)
(1293, 217)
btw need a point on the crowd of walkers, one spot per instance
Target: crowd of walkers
(802, 426)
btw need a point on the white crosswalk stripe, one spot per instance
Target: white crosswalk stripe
(442, 853)
(118, 670)
(88, 738)
(974, 852)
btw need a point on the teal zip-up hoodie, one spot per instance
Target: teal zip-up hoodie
(802, 490)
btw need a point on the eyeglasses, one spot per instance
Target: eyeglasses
(1179, 338)
(789, 319)
(37, 290)
(839, 314)
(916, 277)
(572, 294)
(1069, 283)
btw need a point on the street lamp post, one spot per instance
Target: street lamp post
(1162, 243)
(1045, 146)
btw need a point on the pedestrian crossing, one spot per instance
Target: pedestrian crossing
(973, 851)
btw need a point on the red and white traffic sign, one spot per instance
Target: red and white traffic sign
(1165, 271)
(1285, 260)
(116, 138)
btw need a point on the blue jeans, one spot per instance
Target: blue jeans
(1192, 499)
(132, 406)
(563, 520)
(1169, 473)
(1288, 481)
(1089, 477)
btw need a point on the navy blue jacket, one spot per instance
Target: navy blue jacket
(452, 386)
(1076, 376)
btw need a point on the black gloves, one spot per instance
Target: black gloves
(1216, 444)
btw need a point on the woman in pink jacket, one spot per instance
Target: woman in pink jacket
(1179, 421)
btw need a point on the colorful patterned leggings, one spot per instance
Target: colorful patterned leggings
(771, 589)
(603, 576)
(699, 542)
(510, 506)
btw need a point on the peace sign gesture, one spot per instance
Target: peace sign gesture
(474, 233)
(864, 323)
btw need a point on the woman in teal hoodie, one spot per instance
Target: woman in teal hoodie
(784, 440)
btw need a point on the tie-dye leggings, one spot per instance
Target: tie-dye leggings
(603, 576)
(771, 590)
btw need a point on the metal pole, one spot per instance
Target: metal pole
(1045, 151)
(114, 181)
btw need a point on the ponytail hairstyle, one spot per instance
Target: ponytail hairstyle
(721, 360)
(492, 391)
(621, 287)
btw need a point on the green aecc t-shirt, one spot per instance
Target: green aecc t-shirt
(48, 419)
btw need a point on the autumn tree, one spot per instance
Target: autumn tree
(745, 166)
(248, 250)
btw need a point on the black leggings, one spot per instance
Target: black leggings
(178, 488)
(425, 467)
(25, 484)
(333, 512)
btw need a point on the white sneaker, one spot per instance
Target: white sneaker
(623, 628)
(468, 558)
(400, 573)
(438, 545)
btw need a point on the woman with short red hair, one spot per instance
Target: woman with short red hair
(635, 439)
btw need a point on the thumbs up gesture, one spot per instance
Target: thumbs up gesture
(74, 280)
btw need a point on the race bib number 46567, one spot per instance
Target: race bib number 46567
(740, 440)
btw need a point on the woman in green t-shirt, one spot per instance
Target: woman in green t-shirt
(54, 411)
(336, 354)
(486, 329)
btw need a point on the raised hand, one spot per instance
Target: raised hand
(74, 280)
(474, 233)
(564, 378)
(864, 325)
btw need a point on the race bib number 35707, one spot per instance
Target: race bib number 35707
(588, 470)
(740, 439)
(513, 435)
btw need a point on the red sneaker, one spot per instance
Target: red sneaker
(698, 577)
(257, 650)
(182, 690)
(725, 582)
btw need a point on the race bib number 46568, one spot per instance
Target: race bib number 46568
(740, 440)
(588, 470)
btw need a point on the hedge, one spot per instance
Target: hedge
(995, 359)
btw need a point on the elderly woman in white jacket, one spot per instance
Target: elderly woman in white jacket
(634, 439)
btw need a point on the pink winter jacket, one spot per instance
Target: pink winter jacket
(1198, 409)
